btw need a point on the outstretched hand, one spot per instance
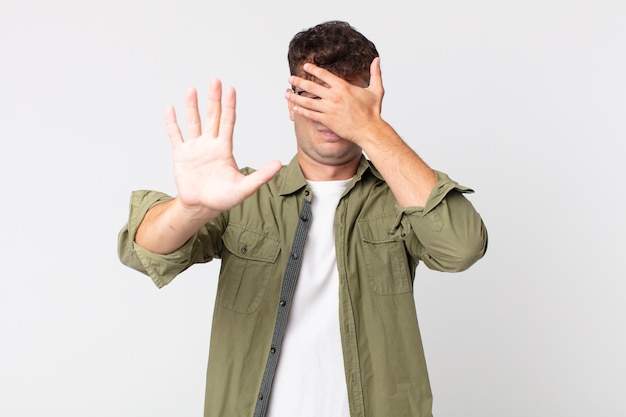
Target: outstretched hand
(206, 174)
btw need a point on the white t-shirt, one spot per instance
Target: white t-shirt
(310, 379)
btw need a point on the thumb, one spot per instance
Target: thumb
(252, 182)
(376, 80)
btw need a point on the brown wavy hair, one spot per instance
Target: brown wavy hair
(335, 46)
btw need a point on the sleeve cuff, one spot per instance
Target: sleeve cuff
(442, 187)
(160, 268)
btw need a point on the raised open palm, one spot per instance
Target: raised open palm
(205, 171)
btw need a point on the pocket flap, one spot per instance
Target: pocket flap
(378, 230)
(251, 244)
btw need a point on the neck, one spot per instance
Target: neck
(316, 171)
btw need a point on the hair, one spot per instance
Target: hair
(335, 46)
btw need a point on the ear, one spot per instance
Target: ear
(290, 106)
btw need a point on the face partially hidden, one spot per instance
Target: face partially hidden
(322, 154)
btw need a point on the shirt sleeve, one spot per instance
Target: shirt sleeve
(449, 234)
(204, 246)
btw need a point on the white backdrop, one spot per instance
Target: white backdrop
(525, 101)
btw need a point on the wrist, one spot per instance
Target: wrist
(195, 213)
(377, 134)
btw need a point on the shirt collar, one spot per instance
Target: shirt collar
(293, 178)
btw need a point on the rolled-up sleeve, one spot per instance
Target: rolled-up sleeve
(450, 234)
(162, 269)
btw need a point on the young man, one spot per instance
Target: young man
(315, 314)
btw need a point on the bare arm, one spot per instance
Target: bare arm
(206, 174)
(354, 113)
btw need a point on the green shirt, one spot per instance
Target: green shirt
(378, 247)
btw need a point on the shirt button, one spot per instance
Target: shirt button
(260, 397)
(305, 218)
(283, 303)
(307, 192)
(273, 350)
(294, 256)
(244, 249)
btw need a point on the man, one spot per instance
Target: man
(315, 313)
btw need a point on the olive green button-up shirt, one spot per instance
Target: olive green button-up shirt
(378, 247)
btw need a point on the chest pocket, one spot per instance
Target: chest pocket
(385, 255)
(247, 263)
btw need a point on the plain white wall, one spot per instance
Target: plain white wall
(525, 101)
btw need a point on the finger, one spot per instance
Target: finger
(228, 116)
(308, 113)
(321, 73)
(194, 127)
(303, 102)
(303, 84)
(171, 125)
(214, 110)
(311, 87)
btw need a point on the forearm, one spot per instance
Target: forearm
(167, 226)
(410, 179)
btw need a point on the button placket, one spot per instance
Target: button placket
(286, 295)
